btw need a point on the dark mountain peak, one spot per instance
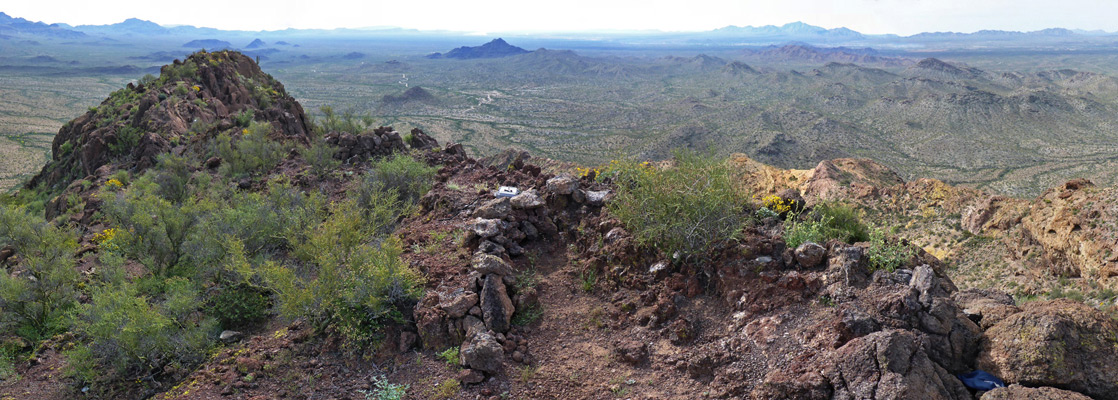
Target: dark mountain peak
(496, 48)
(936, 64)
(257, 43)
(413, 94)
(208, 44)
(739, 68)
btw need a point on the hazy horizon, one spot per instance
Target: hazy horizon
(901, 17)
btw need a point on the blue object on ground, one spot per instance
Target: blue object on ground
(981, 380)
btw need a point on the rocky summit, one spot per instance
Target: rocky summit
(197, 236)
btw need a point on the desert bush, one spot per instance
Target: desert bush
(128, 336)
(126, 139)
(320, 156)
(244, 118)
(888, 254)
(252, 153)
(408, 177)
(384, 390)
(347, 121)
(685, 209)
(33, 303)
(354, 283)
(824, 222)
(152, 229)
(239, 306)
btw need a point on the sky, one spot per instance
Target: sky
(903, 17)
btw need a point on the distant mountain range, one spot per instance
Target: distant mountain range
(768, 34)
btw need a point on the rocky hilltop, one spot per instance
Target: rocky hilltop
(260, 254)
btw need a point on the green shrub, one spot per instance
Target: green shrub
(33, 304)
(126, 336)
(888, 254)
(686, 209)
(244, 118)
(320, 156)
(353, 285)
(347, 122)
(127, 137)
(238, 306)
(383, 390)
(152, 229)
(253, 153)
(408, 177)
(824, 222)
(450, 356)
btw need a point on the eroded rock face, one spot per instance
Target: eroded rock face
(1018, 392)
(985, 307)
(1061, 343)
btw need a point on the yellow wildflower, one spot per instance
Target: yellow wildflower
(197, 88)
(113, 184)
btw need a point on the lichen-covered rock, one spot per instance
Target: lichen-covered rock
(486, 228)
(985, 307)
(488, 264)
(882, 365)
(457, 303)
(810, 254)
(562, 185)
(497, 208)
(482, 352)
(1018, 392)
(527, 199)
(1060, 343)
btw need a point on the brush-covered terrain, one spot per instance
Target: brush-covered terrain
(198, 236)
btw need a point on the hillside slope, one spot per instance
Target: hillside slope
(261, 255)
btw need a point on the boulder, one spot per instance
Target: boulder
(470, 376)
(482, 352)
(1059, 343)
(497, 208)
(562, 185)
(432, 323)
(527, 200)
(985, 307)
(496, 306)
(228, 337)
(631, 351)
(889, 365)
(488, 264)
(1018, 392)
(457, 303)
(486, 228)
(597, 198)
(810, 254)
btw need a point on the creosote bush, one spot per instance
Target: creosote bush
(252, 153)
(33, 303)
(687, 208)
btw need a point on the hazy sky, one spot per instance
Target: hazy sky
(867, 16)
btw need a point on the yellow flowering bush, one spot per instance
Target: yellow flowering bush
(114, 184)
(777, 203)
(105, 239)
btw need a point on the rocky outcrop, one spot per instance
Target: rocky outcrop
(1018, 392)
(882, 365)
(1061, 343)
(381, 142)
(202, 93)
